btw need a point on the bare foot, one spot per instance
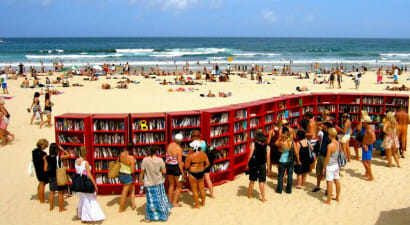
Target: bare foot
(121, 210)
(62, 210)
(145, 221)
(51, 208)
(366, 176)
(133, 207)
(327, 202)
(43, 202)
(177, 205)
(195, 207)
(370, 179)
(264, 200)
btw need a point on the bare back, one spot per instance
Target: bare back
(311, 132)
(197, 161)
(402, 118)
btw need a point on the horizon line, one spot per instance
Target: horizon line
(297, 37)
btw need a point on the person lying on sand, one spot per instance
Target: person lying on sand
(303, 88)
(105, 86)
(122, 86)
(316, 81)
(402, 88)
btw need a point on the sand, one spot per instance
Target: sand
(384, 201)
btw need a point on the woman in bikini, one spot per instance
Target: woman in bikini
(127, 162)
(196, 163)
(35, 106)
(175, 170)
(47, 110)
(391, 140)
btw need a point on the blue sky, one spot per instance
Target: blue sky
(262, 18)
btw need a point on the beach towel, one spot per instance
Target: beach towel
(158, 205)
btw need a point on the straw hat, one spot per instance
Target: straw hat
(365, 117)
(260, 136)
(284, 121)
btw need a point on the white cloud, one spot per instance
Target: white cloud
(216, 4)
(178, 5)
(46, 3)
(269, 15)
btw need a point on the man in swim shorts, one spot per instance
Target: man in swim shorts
(403, 120)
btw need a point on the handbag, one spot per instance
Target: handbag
(114, 168)
(30, 169)
(311, 158)
(341, 159)
(81, 183)
(61, 174)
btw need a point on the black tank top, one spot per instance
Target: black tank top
(260, 153)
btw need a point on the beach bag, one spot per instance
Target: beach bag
(114, 169)
(311, 158)
(81, 183)
(61, 174)
(30, 169)
(341, 159)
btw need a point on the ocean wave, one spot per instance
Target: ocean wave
(49, 51)
(178, 52)
(255, 54)
(134, 50)
(395, 54)
(74, 56)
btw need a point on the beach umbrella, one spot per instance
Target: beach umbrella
(230, 58)
(97, 67)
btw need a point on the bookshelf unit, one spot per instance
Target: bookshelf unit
(147, 129)
(109, 136)
(229, 129)
(217, 132)
(72, 131)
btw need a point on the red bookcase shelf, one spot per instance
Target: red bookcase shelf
(229, 129)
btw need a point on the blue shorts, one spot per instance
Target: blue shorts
(4, 85)
(367, 156)
(125, 178)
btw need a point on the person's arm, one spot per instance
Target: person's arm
(329, 151)
(278, 140)
(141, 178)
(297, 149)
(66, 155)
(48, 103)
(188, 162)
(206, 160)
(180, 163)
(90, 176)
(132, 165)
(270, 135)
(268, 159)
(345, 127)
(251, 150)
(163, 169)
(385, 127)
(45, 163)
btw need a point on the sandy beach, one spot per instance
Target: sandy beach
(383, 201)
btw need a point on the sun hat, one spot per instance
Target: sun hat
(178, 137)
(260, 136)
(365, 117)
(284, 121)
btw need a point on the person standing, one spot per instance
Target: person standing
(36, 108)
(152, 178)
(346, 131)
(38, 156)
(325, 141)
(357, 79)
(50, 166)
(88, 209)
(304, 158)
(274, 150)
(286, 160)
(339, 78)
(196, 135)
(332, 79)
(175, 170)
(127, 168)
(3, 78)
(403, 121)
(369, 137)
(196, 163)
(379, 76)
(258, 161)
(331, 166)
(391, 140)
(47, 110)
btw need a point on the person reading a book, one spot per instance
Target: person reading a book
(175, 169)
(127, 168)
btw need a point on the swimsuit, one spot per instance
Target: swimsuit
(197, 175)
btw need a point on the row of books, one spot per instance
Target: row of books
(220, 118)
(391, 108)
(322, 108)
(294, 121)
(354, 117)
(186, 133)
(240, 137)
(109, 139)
(74, 151)
(282, 115)
(282, 105)
(187, 121)
(373, 109)
(219, 130)
(101, 164)
(373, 100)
(349, 108)
(254, 122)
(69, 164)
(269, 117)
(308, 108)
(144, 151)
(241, 114)
(148, 137)
(295, 113)
(153, 124)
(103, 179)
(239, 149)
(109, 125)
(106, 152)
(218, 142)
(240, 125)
(64, 138)
(220, 154)
(400, 101)
(69, 124)
(218, 167)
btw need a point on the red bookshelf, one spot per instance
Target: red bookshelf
(73, 131)
(147, 129)
(229, 129)
(217, 131)
(109, 136)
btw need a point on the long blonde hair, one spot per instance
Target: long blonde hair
(390, 117)
(83, 152)
(289, 137)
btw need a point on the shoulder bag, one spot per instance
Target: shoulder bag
(81, 183)
(114, 168)
(61, 174)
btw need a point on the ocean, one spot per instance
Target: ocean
(168, 52)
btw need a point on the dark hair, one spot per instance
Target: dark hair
(328, 124)
(130, 147)
(285, 129)
(309, 114)
(153, 150)
(319, 119)
(53, 149)
(36, 94)
(301, 134)
(47, 96)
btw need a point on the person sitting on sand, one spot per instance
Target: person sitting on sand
(198, 75)
(225, 94)
(122, 86)
(303, 88)
(25, 83)
(259, 78)
(164, 82)
(105, 86)
(210, 94)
